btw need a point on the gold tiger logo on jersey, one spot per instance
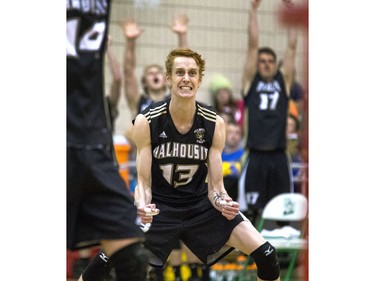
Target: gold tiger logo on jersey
(199, 135)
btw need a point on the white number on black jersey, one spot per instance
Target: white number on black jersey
(184, 173)
(91, 40)
(268, 100)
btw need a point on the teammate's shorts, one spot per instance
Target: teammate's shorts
(202, 228)
(99, 205)
(267, 174)
(177, 245)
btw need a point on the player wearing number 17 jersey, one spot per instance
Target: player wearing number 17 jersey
(266, 88)
(100, 209)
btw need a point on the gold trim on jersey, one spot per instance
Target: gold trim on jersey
(206, 113)
(155, 112)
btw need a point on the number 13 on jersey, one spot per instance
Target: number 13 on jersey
(184, 173)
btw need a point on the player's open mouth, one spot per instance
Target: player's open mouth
(186, 88)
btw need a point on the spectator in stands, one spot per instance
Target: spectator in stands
(223, 100)
(227, 117)
(115, 89)
(297, 93)
(153, 79)
(232, 157)
(293, 147)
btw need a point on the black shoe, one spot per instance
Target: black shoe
(111, 276)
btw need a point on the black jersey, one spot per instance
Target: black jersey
(144, 102)
(86, 30)
(179, 161)
(267, 107)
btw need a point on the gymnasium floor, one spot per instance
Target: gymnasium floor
(297, 275)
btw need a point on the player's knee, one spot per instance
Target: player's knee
(265, 257)
(131, 263)
(98, 268)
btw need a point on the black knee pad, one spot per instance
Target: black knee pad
(98, 268)
(267, 262)
(131, 263)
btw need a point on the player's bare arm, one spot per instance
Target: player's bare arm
(180, 27)
(115, 68)
(289, 58)
(131, 32)
(216, 190)
(143, 195)
(251, 59)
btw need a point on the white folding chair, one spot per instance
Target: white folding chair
(291, 207)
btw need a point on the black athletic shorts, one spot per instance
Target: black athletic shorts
(268, 174)
(99, 205)
(202, 228)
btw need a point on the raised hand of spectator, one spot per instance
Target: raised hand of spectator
(180, 27)
(131, 29)
(288, 3)
(255, 4)
(180, 24)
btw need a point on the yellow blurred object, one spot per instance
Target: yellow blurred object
(185, 271)
(229, 167)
